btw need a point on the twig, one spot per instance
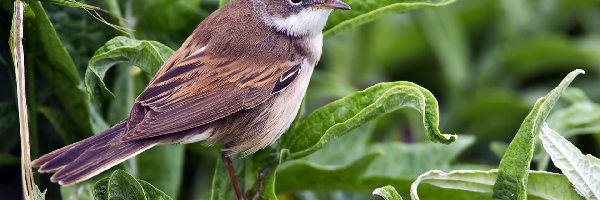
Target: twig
(19, 60)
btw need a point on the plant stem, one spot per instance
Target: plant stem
(19, 61)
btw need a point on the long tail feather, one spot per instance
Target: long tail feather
(84, 159)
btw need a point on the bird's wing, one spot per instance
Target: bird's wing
(199, 88)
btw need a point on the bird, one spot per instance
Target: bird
(237, 80)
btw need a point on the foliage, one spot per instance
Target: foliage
(484, 61)
(121, 185)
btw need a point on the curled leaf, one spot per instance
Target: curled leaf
(340, 117)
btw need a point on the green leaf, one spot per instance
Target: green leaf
(152, 193)
(482, 182)
(365, 11)
(582, 170)
(123, 186)
(338, 118)
(387, 192)
(391, 163)
(515, 164)
(59, 72)
(581, 117)
(148, 55)
(159, 17)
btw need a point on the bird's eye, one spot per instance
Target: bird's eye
(296, 2)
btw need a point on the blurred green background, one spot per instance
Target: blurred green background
(485, 61)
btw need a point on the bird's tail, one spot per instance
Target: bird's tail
(84, 159)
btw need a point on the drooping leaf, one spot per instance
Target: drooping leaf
(148, 55)
(387, 192)
(338, 118)
(514, 166)
(483, 181)
(365, 11)
(583, 171)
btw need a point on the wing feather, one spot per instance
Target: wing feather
(202, 88)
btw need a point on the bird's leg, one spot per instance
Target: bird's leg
(261, 179)
(234, 181)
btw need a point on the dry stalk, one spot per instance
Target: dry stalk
(19, 61)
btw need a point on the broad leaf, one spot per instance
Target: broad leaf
(483, 181)
(515, 164)
(59, 72)
(582, 170)
(338, 118)
(387, 192)
(121, 185)
(148, 55)
(391, 163)
(365, 11)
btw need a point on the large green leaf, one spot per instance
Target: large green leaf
(121, 185)
(338, 118)
(148, 55)
(582, 170)
(514, 166)
(365, 11)
(60, 73)
(483, 181)
(368, 167)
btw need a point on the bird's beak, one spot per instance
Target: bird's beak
(335, 4)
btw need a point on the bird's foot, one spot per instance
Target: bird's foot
(261, 180)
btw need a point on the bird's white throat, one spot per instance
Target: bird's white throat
(309, 21)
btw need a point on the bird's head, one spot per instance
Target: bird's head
(297, 17)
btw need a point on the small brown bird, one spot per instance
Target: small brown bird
(238, 79)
